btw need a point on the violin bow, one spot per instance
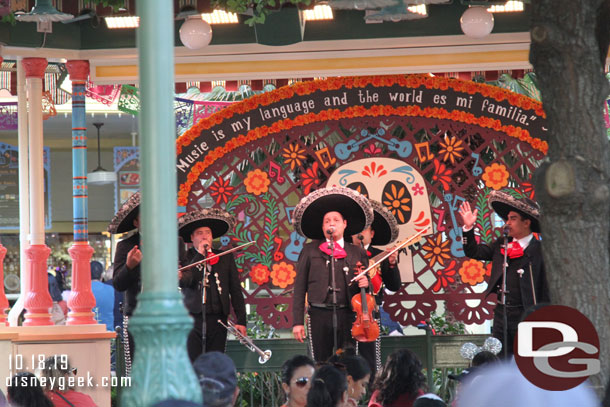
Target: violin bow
(243, 246)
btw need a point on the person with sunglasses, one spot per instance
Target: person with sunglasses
(296, 380)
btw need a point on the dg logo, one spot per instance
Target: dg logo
(557, 348)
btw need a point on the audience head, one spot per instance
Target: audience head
(358, 372)
(328, 388)
(218, 379)
(505, 386)
(25, 391)
(96, 270)
(56, 370)
(483, 358)
(429, 400)
(296, 379)
(401, 374)
(2, 399)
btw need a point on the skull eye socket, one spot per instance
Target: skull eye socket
(397, 199)
(360, 187)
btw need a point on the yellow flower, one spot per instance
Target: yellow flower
(293, 155)
(396, 201)
(451, 149)
(437, 250)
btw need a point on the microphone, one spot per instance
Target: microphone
(330, 230)
(505, 230)
(360, 236)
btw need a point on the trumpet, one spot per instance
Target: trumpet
(264, 355)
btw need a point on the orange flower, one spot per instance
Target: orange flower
(444, 277)
(310, 178)
(437, 250)
(259, 274)
(283, 274)
(496, 176)
(221, 190)
(397, 201)
(450, 149)
(472, 272)
(293, 155)
(257, 182)
(442, 174)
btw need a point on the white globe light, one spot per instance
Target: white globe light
(195, 33)
(477, 22)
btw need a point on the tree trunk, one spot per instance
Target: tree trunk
(568, 51)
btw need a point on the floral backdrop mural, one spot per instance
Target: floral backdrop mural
(400, 145)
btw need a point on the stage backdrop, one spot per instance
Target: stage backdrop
(419, 144)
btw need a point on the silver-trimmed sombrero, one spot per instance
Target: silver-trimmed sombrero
(123, 220)
(384, 224)
(353, 206)
(220, 221)
(502, 203)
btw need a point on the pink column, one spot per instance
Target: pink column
(37, 300)
(3, 300)
(81, 300)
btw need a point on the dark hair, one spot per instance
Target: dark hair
(327, 387)
(401, 374)
(356, 366)
(484, 357)
(25, 391)
(293, 364)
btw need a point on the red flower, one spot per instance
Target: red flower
(442, 174)
(372, 149)
(444, 277)
(259, 274)
(310, 178)
(222, 190)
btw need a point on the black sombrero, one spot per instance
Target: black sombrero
(218, 220)
(123, 220)
(502, 203)
(384, 224)
(353, 206)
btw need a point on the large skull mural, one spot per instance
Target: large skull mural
(398, 186)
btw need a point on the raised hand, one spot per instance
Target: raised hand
(468, 216)
(298, 331)
(134, 257)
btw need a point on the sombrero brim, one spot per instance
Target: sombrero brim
(123, 220)
(218, 220)
(502, 203)
(218, 228)
(354, 207)
(384, 224)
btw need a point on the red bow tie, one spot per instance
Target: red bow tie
(369, 254)
(214, 260)
(339, 252)
(514, 250)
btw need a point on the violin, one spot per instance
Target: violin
(365, 328)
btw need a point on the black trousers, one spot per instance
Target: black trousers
(216, 335)
(513, 317)
(368, 350)
(321, 331)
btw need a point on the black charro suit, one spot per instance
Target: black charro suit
(391, 280)
(519, 296)
(314, 280)
(125, 279)
(218, 302)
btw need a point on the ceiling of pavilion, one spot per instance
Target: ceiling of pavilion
(92, 33)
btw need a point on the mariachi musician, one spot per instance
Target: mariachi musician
(126, 267)
(219, 276)
(326, 265)
(382, 231)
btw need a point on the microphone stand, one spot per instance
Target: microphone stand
(334, 289)
(503, 296)
(204, 327)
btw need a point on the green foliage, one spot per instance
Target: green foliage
(9, 18)
(257, 329)
(259, 389)
(259, 9)
(445, 324)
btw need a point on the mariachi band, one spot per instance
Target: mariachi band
(340, 273)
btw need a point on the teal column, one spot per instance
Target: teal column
(160, 324)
